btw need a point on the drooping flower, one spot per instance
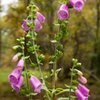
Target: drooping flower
(80, 96)
(14, 76)
(83, 89)
(25, 26)
(21, 64)
(38, 25)
(82, 79)
(77, 4)
(17, 86)
(15, 58)
(40, 17)
(63, 12)
(36, 84)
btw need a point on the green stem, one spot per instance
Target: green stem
(40, 70)
(25, 66)
(55, 63)
(71, 83)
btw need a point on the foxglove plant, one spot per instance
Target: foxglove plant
(27, 47)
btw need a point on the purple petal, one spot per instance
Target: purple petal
(40, 17)
(38, 26)
(77, 4)
(17, 87)
(21, 63)
(36, 84)
(63, 12)
(14, 76)
(83, 89)
(80, 96)
(82, 79)
(25, 26)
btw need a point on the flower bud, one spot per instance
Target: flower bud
(15, 58)
(79, 72)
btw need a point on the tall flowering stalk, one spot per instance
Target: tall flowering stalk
(27, 49)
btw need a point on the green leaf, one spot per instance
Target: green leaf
(63, 98)
(33, 65)
(41, 57)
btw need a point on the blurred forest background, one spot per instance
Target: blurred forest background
(83, 42)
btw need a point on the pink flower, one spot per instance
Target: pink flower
(77, 4)
(40, 17)
(82, 79)
(38, 26)
(21, 64)
(83, 89)
(25, 26)
(80, 96)
(17, 86)
(36, 84)
(14, 76)
(15, 58)
(63, 12)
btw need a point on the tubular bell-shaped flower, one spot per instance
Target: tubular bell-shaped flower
(21, 64)
(25, 26)
(17, 86)
(38, 26)
(14, 76)
(80, 96)
(83, 89)
(36, 84)
(40, 17)
(77, 4)
(63, 12)
(82, 79)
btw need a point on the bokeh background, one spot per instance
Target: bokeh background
(83, 42)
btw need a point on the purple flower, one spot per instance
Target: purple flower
(38, 26)
(40, 17)
(14, 76)
(80, 96)
(82, 79)
(36, 84)
(83, 89)
(77, 4)
(63, 12)
(25, 26)
(15, 58)
(17, 86)
(21, 64)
